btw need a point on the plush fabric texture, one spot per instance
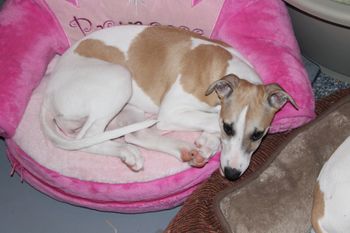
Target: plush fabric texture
(29, 39)
(200, 211)
(280, 199)
(133, 197)
(81, 17)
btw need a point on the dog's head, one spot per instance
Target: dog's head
(246, 113)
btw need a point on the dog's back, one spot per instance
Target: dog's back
(170, 71)
(157, 56)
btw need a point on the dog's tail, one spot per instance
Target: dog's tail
(77, 144)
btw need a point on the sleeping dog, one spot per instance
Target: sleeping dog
(169, 72)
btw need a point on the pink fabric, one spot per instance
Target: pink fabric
(128, 198)
(81, 17)
(30, 36)
(261, 31)
(29, 39)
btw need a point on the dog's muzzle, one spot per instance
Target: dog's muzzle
(232, 174)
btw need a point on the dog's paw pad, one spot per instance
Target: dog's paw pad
(193, 157)
(186, 155)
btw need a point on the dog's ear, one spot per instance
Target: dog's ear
(277, 97)
(224, 86)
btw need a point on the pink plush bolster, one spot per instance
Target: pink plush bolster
(29, 39)
(261, 30)
(153, 195)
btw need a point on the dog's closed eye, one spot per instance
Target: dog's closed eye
(256, 135)
(228, 129)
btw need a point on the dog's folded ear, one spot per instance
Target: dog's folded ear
(224, 86)
(277, 97)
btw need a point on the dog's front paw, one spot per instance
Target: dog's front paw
(193, 157)
(132, 158)
(208, 144)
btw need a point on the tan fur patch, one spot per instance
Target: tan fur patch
(243, 94)
(155, 57)
(318, 208)
(159, 54)
(165, 52)
(259, 116)
(97, 49)
(202, 66)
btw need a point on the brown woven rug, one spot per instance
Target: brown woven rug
(198, 214)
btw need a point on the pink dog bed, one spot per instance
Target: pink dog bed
(32, 32)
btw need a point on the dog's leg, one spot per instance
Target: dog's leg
(194, 120)
(153, 140)
(180, 110)
(181, 114)
(86, 129)
(208, 144)
(128, 116)
(195, 154)
(127, 153)
(90, 92)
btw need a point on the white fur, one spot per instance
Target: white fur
(242, 70)
(232, 154)
(77, 94)
(334, 180)
(141, 100)
(187, 112)
(196, 42)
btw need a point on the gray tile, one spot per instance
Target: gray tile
(324, 85)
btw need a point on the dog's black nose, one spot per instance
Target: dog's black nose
(231, 173)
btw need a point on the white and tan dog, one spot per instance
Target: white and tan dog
(331, 208)
(168, 72)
